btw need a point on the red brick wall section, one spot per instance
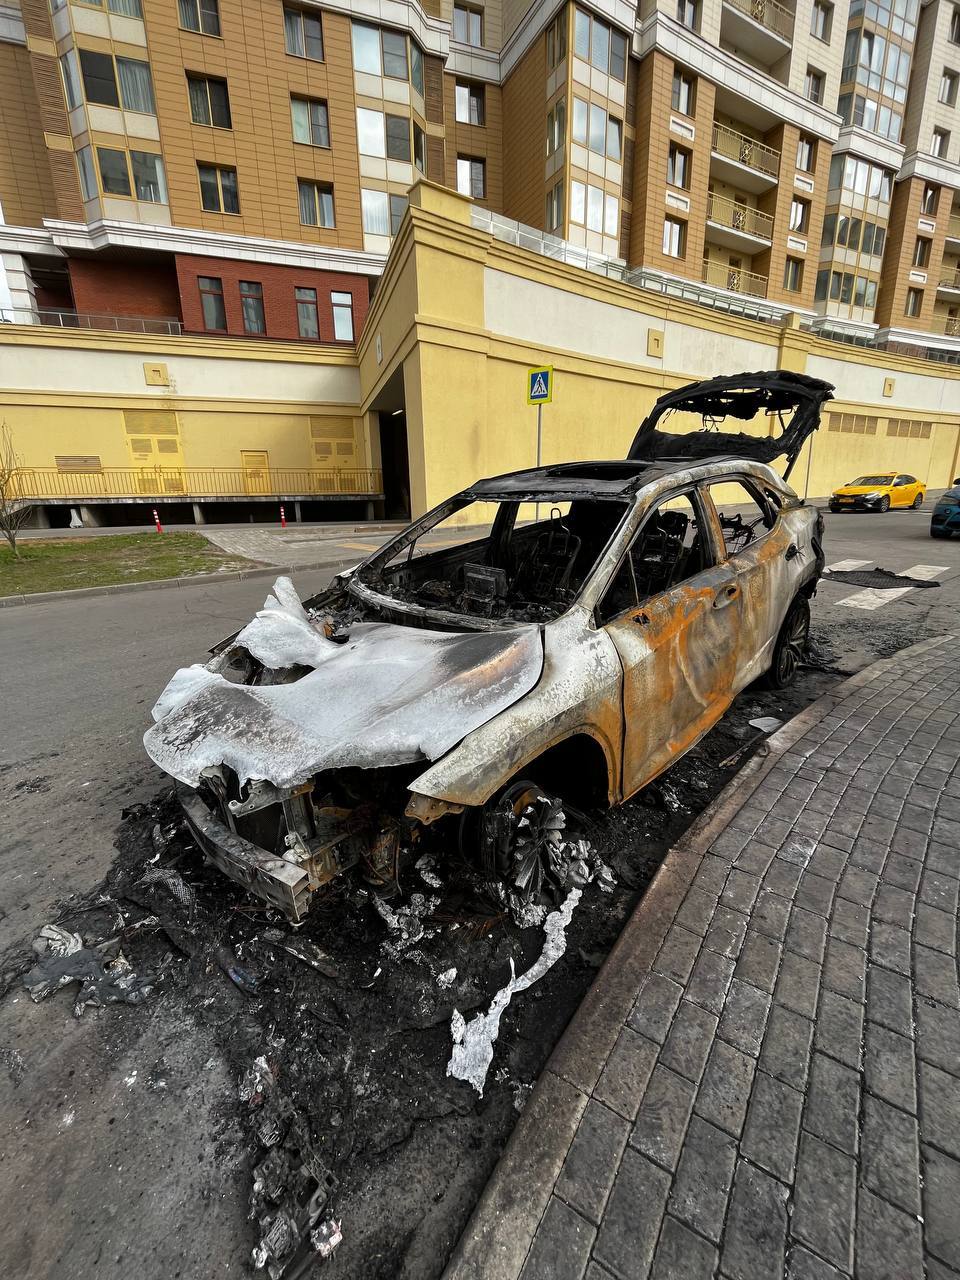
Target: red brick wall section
(279, 298)
(103, 287)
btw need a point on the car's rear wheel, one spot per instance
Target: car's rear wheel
(883, 504)
(791, 645)
(918, 502)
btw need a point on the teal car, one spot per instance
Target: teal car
(946, 514)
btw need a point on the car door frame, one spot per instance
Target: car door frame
(652, 657)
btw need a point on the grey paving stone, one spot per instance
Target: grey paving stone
(682, 1255)
(759, 960)
(588, 1170)
(815, 894)
(935, 929)
(938, 1039)
(828, 862)
(561, 1246)
(631, 1223)
(935, 976)
(941, 1195)
(786, 1046)
(889, 1067)
(596, 1272)
(772, 1126)
(940, 1109)
(807, 931)
(890, 999)
(679, 951)
(740, 891)
(626, 1072)
(893, 905)
(844, 969)
(868, 854)
(890, 947)
(890, 1154)
(889, 1241)
(655, 1006)
(798, 984)
(824, 1196)
(755, 1237)
(770, 915)
(858, 885)
(755, 858)
(688, 1043)
(804, 1265)
(783, 878)
(662, 1117)
(704, 1177)
(840, 1028)
(849, 922)
(725, 1088)
(726, 933)
(744, 1016)
(729, 843)
(712, 875)
(774, 830)
(902, 872)
(696, 911)
(797, 848)
(833, 1103)
(910, 843)
(940, 891)
(943, 857)
(710, 980)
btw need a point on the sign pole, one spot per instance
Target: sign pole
(540, 392)
(536, 514)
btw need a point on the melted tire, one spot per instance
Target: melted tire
(791, 646)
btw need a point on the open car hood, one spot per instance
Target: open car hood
(386, 695)
(795, 397)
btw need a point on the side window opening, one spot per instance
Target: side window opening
(669, 549)
(745, 518)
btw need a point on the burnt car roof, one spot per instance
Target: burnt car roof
(619, 478)
(742, 396)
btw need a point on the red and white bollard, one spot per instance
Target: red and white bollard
(283, 518)
(156, 521)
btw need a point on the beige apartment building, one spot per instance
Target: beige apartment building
(241, 167)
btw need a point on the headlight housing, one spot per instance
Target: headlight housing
(869, 497)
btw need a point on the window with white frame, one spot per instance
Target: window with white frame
(813, 85)
(342, 316)
(200, 15)
(948, 88)
(940, 143)
(914, 303)
(821, 20)
(303, 33)
(674, 238)
(930, 199)
(688, 13)
(682, 95)
(311, 122)
(472, 177)
(799, 214)
(316, 203)
(954, 34)
(806, 153)
(678, 166)
(468, 25)
(793, 275)
(470, 103)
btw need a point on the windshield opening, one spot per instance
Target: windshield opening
(862, 480)
(501, 560)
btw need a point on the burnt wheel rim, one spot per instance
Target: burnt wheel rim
(519, 839)
(792, 645)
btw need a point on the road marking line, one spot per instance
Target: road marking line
(842, 566)
(875, 597)
(925, 571)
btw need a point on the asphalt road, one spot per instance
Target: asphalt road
(80, 1195)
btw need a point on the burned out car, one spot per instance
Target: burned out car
(573, 628)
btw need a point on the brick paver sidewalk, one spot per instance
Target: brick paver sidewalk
(784, 1097)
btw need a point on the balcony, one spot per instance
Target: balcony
(719, 275)
(950, 282)
(760, 29)
(60, 319)
(952, 327)
(743, 161)
(953, 227)
(125, 484)
(736, 225)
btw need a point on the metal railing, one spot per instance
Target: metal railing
(722, 276)
(775, 17)
(952, 327)
(48, 483)
(953, 227)
(739, 217)
(732, 145)
(950, 280)
(548, 246)
(62, 319)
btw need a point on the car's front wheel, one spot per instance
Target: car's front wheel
(918, 502)
(883, 504)
(791, 645)
(517, 838)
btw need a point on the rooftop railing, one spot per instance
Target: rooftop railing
(739, 217)
(722, 276)
(51, 484)
(63, 319)
(775, 17)
(736, 146)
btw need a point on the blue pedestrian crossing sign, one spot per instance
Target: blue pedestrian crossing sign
(540, 385)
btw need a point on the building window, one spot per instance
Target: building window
(555, 209)
(342, 316)
(394, 55)
(799, 215)
(556, 126)
(251, 306)
(303, 34)
(793, 275)
(316, 203)
(678, 166)
(940, 143)
(419, 148)
(398, 138)
(308, 315)
(209, 101)
(593, 128)
(371, 136)
(200, 15)
(873, 238)
(821, 20)
(921, 252)
(218, 188)
(88, 178)
(600, 45)
(674, 238)
(470, 103)
(467, 25)
(955, 26)
(114, 178)
(311, 123)
(614, 137)
(813, 85)
(688, 13)
(149, 179)
(211, 303)
(70, 71)
(375, 211)
(136, 86)
(557, 40)
(914, 302)
(806, 154)
(398, 207)
(930, 199)
(99, 79)
(948, 88)
(683, 96)
(471, 177)
(591, 207)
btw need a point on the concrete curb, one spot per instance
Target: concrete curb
(498, 1235)
(199, 580)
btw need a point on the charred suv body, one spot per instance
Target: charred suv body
(574, 626)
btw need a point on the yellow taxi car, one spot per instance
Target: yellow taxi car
(879, 492)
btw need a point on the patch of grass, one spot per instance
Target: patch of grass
(59, 564)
